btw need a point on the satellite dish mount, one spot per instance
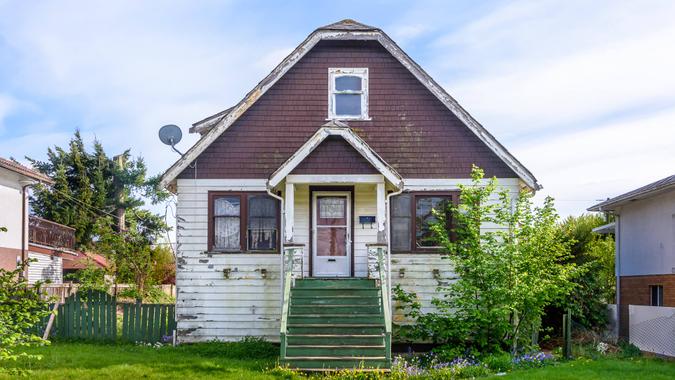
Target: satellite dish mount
(171, 135)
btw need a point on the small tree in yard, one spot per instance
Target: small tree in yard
(21, 308)
(505, 277)
(135, 256)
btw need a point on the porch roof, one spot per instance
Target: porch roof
(335, 128)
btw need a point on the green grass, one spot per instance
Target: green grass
(248, 361)
(636, 368)
(129, 362)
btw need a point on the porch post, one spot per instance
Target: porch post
(381, 215)
(289, 211)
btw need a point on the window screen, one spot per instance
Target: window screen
(425, 218)
(348, 93)
(401, 222)
(262, 223)
(226, 223)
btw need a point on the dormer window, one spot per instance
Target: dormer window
(348, 94)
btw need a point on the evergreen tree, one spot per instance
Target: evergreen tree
(90, 185)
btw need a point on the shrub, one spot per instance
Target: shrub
(505, 278)
(629, 350)
(21, 309)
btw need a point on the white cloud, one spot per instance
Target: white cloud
(132, 67)
(579, 168)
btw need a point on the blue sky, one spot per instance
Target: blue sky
(582, 92)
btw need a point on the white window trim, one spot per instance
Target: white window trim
(335, 72)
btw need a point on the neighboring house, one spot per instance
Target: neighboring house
(15, 180)
(645, 246)
(334, 160)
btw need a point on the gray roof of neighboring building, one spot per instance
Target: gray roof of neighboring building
(654, 188)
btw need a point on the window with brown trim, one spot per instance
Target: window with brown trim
(412, 215)
(243, 222)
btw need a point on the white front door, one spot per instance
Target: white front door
(331, 234)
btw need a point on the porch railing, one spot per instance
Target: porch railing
(45, 232)
(378, 269)
(292, 269)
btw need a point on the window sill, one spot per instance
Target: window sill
(429, 252)
(367, 118)
(240, 252)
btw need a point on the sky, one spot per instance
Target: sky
(581, 92)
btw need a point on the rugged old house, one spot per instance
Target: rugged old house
(303, 204)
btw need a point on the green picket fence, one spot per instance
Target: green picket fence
(87, 315)
(148, 322)
(92, 315)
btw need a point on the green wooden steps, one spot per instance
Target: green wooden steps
(335, 324)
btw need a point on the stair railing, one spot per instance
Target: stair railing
(292, 269)
(377, 268)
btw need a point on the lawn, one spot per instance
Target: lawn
(207, 361)
(635, 368)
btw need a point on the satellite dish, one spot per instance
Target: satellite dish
(170, 134)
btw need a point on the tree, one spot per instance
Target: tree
(596, 284)
(89, 185)
(505, 277)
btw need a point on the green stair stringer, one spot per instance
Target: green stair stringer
(335, 324)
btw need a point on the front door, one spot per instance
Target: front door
(331, 234)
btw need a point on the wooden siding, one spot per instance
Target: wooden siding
(410, 128)
(210, 306)
(335, 156)
(45, 268)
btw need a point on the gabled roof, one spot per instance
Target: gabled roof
(655, 188)
(335, 128)
(342, 30)
(24, 171)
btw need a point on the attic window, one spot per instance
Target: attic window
(348, 94)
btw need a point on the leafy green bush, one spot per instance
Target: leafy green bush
(505, 278)
(21, 309)
(629, 350)
(498, 362)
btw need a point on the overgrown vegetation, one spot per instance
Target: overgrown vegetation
(505, 277)
(21, 308)
(595, 284)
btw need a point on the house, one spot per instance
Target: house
(302, 206)
(15, 180)
(645, 247)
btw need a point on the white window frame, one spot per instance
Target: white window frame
(333, 74)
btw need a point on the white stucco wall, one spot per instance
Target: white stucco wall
(10, 209)
(646, 236)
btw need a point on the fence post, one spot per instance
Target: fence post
(567, 335)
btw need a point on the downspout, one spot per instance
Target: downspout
(282, 230)
(388, 227)
(24, 224)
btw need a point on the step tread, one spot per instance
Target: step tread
(289, 358)
(333, 296)
(335, 325)
(336, 335)
(335, 315)
(336, 346)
